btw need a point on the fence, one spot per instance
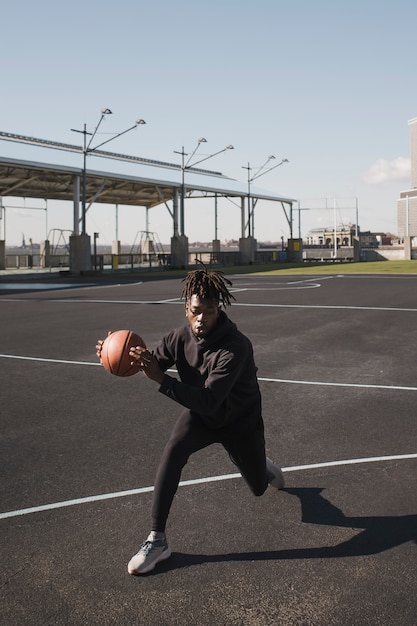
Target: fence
(327, 255)
(135, 261)
(224, 258)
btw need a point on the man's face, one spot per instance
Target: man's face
(202, 315)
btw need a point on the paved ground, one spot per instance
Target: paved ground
(79, 450)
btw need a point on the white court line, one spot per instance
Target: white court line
(328, 384)
(260, 378)
(235, 304)
(197, 481)
(36, 358)
(34, 286)
(93, 301)
(302, 283)
(39, 286)
(293, 286)
(324, 306)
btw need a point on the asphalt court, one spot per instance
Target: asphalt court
(79, 448)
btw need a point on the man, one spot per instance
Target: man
(219, 391)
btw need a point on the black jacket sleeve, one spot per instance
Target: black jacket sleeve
(210, 401)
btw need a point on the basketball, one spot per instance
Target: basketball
(115, 352)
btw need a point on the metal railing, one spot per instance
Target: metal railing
(136, 261)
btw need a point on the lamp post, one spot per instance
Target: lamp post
(186, 165)
(259, 172)
(299, 209)
(87, 149)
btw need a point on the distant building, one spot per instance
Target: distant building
(374, 240)
(407, 203)
(325, 237)
(345, 234)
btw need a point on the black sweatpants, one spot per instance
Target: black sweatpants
(189, 435)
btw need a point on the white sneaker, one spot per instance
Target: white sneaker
(275, 475)
(151, 552)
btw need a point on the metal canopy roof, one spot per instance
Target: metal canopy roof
(53, 182)
(130, 181)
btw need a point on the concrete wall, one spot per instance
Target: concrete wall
(387, 253)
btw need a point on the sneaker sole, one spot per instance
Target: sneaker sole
(162, 557)
(278, 482)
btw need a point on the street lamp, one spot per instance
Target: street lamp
(87, 149)
(299, 209)
(259, 172)
(186, 165)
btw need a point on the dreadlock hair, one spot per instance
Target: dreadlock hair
(207, 286)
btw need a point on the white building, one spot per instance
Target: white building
(326, 236)
(407, 203)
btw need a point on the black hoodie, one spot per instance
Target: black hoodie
(217, 376)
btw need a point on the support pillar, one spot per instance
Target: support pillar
(76, 226)
(215, 245)
(247, 250)
(115, 251)
(295, 250)
(407, 248)
(175, 213)
(179, 252)
(80, 253)
(2, 254)
(242, 218)
(356, 249)
(45, 254)
(215, 248)
(116, 247)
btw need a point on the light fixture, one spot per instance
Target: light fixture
(88, 150)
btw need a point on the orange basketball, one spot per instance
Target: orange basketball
(115, 352)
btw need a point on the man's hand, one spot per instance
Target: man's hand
(147, 363)
(99, 345)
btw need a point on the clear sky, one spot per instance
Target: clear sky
(328, 84)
